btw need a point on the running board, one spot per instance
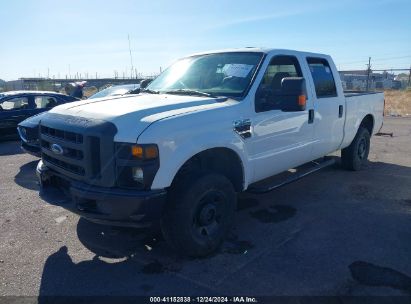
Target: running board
(290, 176)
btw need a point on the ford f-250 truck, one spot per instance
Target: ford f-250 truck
(211, 125)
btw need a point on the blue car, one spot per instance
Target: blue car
(28, 129)
(29, 134)
(16, 106)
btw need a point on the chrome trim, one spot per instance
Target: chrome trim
(57, 149)
(22, 130)
(243, 128)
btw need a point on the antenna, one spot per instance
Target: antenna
(131, 56)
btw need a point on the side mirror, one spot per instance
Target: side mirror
(293, 94)
(144, 83)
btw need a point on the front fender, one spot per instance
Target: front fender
(182, 136)
(178, 147)
(172, 158)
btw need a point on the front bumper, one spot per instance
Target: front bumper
(32, 149)
(111, 206)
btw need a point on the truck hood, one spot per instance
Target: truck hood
(132, 114)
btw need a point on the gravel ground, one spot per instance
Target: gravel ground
(332, 233)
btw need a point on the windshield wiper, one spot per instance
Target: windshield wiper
(189, 92)
(150, 91)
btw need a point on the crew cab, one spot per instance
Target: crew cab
(212, 125)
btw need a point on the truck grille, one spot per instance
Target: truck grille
(61, 134)
(64, 165)
(67, 152)
(72, 149)
(79, 148)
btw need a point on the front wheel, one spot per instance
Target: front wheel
(199, 214)
(355, 155)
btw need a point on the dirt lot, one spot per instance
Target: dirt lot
(332, 233)
(398, 102)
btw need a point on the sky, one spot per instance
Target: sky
(59, 38)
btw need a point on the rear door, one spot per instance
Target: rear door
(280, 140)
(328, 107)
(12, 111)
(44, 103)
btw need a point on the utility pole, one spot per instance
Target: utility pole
(368, 73)
(409, 77)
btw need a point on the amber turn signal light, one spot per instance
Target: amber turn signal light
(302, 99)
(144, 151)
(151, 152)
(137, 151)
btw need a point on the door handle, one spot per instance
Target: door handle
(310, 116)
(340, 111)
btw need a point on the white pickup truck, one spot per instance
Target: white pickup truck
(212, 125)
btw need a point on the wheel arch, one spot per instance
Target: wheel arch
(368, 123)
(222, 160)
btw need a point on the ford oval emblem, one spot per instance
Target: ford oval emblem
(57, 149)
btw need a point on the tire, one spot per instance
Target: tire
(355, 155)
(199, 214)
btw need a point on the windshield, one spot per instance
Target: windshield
(220, 74)
(115, 90)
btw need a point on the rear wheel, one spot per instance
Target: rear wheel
(355, 155)
(199, 214)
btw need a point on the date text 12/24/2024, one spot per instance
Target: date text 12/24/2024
(203, 300)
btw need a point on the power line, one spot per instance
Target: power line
(391, 58)
(377, 59)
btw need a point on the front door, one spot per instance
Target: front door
(280, 140)
(12, 111)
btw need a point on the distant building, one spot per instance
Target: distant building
(357, 80)
(47, 84)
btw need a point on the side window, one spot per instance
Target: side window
(323, 77)
(268, 95)
(42, 102)
(18, 103)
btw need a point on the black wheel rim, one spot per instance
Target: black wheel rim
(210, 214)
(362, 148)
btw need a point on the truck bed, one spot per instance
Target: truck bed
(358, 105)
(359, 93)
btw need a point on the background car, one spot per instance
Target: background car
(117, 90)
(16, 106)
(28, 129)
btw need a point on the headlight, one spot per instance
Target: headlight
(23, 133)
(136, 165)
(138, 174)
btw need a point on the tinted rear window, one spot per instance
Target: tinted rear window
(323, 78)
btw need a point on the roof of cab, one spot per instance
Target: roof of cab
(259, 50)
